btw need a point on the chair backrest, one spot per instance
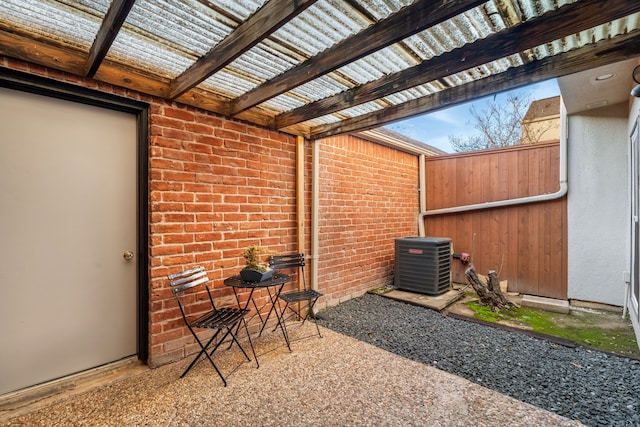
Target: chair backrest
(188, 279)
(280, 262)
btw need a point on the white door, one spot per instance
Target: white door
(68, 184)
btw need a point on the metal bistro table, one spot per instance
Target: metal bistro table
(273, 286)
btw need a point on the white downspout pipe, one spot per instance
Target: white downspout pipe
(300, 198)
(315, 207)
(422, 191)
(562, 191)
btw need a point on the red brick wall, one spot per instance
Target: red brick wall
(368, 197)
(218, 185)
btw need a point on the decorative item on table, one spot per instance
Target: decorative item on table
(256, 268)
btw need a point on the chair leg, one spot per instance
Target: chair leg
(204, 350)
(283, 325)
(209, 354)
(229, 331)
(246, 328)
(283, 318)
(273, 297)
(233, 339)
(310, 313)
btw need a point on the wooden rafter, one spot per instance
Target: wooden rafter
(587, 57)
(111, 24)
(554, 25)
(29, 50)
(406, 22)
(273, 15)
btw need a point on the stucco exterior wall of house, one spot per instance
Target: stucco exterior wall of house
(598, 205)
(217, 185)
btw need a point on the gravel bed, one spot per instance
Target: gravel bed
(592, 387)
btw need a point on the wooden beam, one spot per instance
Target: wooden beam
(211, 102)
(585, 58)
(30, 50)
(72, 61)
(273, 15)
(554, 25)
(111, 24)
(405, 23)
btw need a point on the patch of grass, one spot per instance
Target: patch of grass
(603, 331)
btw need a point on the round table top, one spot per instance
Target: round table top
(277, 279)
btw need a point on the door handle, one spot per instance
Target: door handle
(128, 255)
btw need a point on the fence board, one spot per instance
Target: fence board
(525, 243)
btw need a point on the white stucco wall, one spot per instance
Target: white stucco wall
(598, 205)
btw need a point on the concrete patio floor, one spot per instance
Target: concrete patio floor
(333, 381)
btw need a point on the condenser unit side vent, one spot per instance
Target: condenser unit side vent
(423, 264)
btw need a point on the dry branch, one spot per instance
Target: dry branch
(489, 293)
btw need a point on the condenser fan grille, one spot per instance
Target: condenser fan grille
(423, 264)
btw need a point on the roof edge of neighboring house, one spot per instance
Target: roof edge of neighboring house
(389, 138)
(543, 108)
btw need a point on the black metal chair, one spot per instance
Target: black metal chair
(291, 298)
(221, 320)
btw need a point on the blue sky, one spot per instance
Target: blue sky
(434, 128)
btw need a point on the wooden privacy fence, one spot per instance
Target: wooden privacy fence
(526, 244)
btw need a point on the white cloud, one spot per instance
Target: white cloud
(447, 116)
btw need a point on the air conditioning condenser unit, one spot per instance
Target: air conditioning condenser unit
(423, 264)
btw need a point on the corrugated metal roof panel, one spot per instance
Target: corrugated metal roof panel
(93, 7)
(324, 120)
(149, 55)
(620, 26)
(321, 26)
(358, 110)
(584, 38)
(63, 24)
(355, 111)
(165, 37)
(410, 94)
(306, 35)
(317, 89)
(191, 33)
(225, 84)
(301, 38)
(444, 37)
